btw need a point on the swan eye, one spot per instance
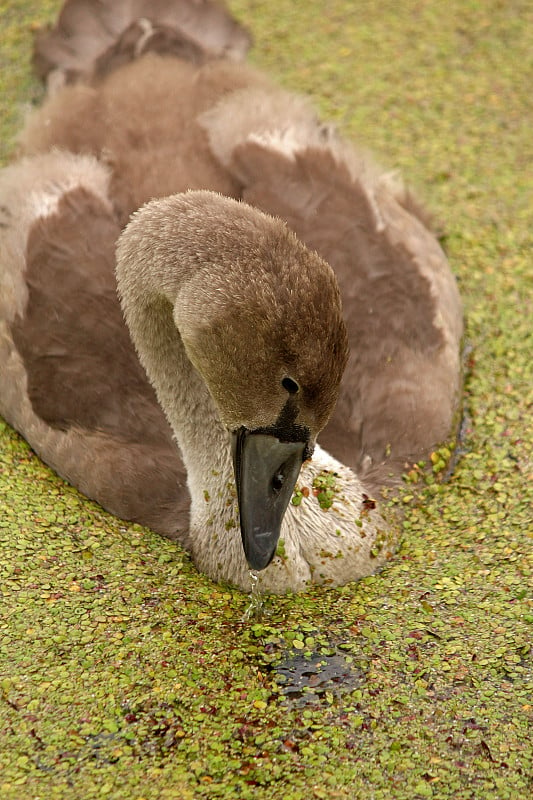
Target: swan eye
(290, 385)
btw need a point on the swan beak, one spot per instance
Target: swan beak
(266, 471)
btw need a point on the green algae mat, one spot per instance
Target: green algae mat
(126, 674)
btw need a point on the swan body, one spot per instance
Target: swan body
(224, 304)
(247, 139)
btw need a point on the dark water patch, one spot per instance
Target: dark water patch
(461, 447)
(311, 678)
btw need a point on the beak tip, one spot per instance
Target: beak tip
(257, 557)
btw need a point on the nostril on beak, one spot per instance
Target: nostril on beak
(277, 482)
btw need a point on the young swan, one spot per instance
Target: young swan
(240, 331)
(237, 324)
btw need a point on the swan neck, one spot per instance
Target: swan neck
(149, 294)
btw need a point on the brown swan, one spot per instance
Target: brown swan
(237, 324)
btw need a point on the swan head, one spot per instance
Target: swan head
(259, 317)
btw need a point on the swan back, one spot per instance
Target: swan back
(91, 39)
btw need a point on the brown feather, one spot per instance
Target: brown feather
(83, 375)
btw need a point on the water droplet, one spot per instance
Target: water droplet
(255, 609)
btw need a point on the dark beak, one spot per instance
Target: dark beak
(266, 471)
